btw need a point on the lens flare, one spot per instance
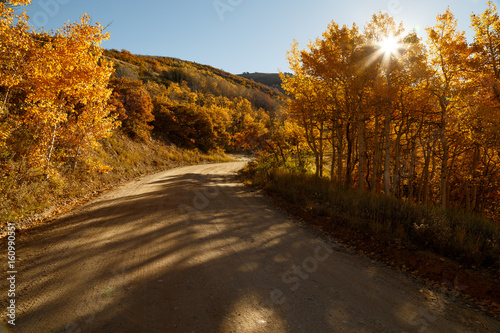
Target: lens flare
(390, 45)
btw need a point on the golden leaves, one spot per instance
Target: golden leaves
(63, 83)
(436, 101)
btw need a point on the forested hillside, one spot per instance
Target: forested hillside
(193, 106)
(269, 79)
(75, 118)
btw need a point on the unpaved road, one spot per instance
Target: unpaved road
(192, 250)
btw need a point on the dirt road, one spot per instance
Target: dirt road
(192, 250)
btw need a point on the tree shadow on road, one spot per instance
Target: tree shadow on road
(197, 253)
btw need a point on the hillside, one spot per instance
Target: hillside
(161, 112)
(198, 106)
(158, 65)
(268, 79)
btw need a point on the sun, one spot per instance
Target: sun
(389, 48)
(390, 45)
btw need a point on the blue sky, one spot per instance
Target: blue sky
(235, 35)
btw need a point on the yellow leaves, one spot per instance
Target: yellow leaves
(63, 81)
(18, 2)
(5, 131)
(96, 166)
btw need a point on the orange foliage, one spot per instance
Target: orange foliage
(54, 103)
(134, 107)
(414, 122)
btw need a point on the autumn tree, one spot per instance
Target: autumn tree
(448, 52)
(15, 43)
(384, 37)
(59, 81)
(135, 108)
(481, 119)
(334, 82)
(196, 120)
(486, 49)
(306, 108)
(413, 120)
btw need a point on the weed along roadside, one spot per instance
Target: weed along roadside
(357, 220)
(39, 202)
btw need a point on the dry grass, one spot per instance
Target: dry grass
(128, 160)
(469, 238)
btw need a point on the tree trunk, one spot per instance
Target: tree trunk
(471, 201)
(321, 149)
(316, 162)
(282, 154)
(340, 153)
(311, 140)
(349, 155)
(361, 154)
(387, 159)
(474, 198)
(397, 166)
(299, 157)
(411, 179)
(387, 132)
(432, 175)
(376, 156)
(51, 149)
(77, 155)
(334, 157)
(6, 98)
(467, 197)
(446, 151)
(423, 191)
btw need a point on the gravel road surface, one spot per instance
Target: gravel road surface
(192, 250)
